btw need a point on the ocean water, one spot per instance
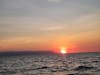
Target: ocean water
(51, 64)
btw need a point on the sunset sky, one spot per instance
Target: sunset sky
(50, 24)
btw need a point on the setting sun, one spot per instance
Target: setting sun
(63, 50)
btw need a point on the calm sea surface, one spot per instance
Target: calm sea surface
(51, 64)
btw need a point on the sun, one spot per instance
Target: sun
(63, 50)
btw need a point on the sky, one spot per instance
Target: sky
(50, 24)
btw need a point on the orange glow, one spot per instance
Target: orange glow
(63, 50)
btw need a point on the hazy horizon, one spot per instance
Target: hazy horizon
(48, 25)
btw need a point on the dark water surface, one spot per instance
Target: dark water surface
(51, 64)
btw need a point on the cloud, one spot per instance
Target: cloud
(52, 28)
(55, 0)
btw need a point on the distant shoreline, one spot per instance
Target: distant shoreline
(15, 53)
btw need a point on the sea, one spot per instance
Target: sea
(50, 64)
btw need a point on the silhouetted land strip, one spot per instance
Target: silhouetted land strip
(15, 53)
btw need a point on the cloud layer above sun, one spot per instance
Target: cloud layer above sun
(47, 24)
(55, 0)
